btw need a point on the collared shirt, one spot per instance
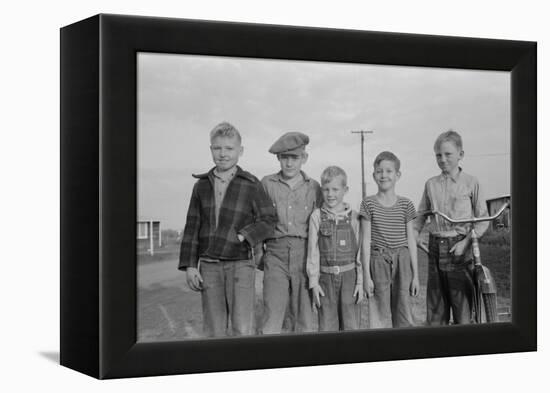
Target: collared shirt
(313, 254)
(293, 205)
(221, 181)
(458, 197)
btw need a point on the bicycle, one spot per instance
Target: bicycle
(485, 289)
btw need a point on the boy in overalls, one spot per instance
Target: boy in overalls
(333, 267)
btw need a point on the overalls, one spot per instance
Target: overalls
(338, 248)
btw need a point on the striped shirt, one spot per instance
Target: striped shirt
(388, 224)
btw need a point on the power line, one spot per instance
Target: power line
(487, 155)
(477, 155)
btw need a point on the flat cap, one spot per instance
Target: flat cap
(290, 143)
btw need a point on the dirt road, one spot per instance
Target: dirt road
(169, 310)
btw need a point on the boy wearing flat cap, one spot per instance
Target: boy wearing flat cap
(294, 196)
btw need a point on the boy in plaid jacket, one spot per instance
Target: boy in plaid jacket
(229, 213)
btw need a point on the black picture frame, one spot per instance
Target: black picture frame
(98, 195)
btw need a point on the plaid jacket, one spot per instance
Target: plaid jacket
(246, 209)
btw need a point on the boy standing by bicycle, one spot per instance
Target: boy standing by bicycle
(458, 195)
(389, 248)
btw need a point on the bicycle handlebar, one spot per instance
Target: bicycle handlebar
(460, 221)
(472, 220)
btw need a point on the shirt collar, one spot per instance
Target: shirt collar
(279, 177)
(444, 176)
(225, 175)
(239, 173)
(345, 212)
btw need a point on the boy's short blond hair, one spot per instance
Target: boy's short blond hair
(225, 129)
(449, 136)
(387, 156)
(331, 172)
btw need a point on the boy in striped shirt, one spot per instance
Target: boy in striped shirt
(388, 248)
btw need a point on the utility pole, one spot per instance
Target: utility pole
(364, 184)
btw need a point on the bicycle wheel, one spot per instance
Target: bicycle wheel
(490, 305)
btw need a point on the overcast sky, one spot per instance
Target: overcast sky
(181, 98)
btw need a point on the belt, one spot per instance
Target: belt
(444, 241)
(337, 269)
(448, 238)
(383, 249)
(439, 249)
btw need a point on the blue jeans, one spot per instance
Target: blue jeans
(228, 297)
(391, 304)
(286, 286)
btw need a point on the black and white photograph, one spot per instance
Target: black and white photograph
(124, 121)
(294, 197)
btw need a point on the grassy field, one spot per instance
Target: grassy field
(169, 310)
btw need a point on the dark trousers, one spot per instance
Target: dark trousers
(450, 284)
